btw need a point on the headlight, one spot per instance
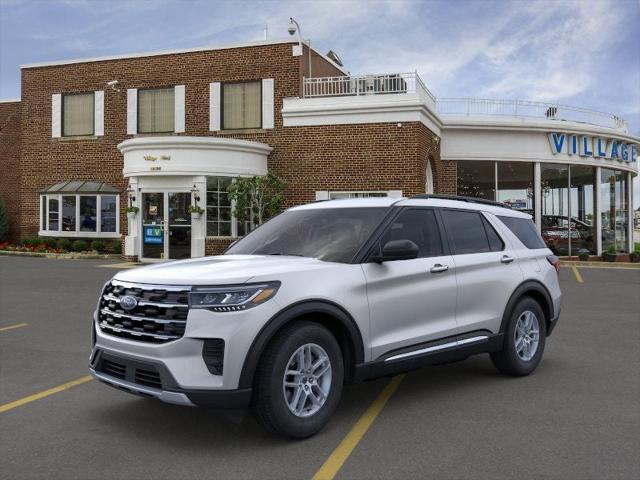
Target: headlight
(232, 299)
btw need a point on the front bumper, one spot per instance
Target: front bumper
(124, 373)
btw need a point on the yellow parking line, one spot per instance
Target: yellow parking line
(120, 265)
(577, 274)
(11, 327)
(334, 463)
(37, 396)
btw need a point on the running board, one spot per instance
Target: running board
(442, 351)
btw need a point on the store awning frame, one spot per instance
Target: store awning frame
(81, 187)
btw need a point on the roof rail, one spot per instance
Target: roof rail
(426, 196)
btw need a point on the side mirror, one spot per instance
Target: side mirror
(397, 250)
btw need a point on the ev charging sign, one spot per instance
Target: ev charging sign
(596, 147)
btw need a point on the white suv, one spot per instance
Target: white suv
(330, 293)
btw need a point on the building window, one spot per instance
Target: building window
(339, 195)
(477, 179)
(614, 210)
(76, 215)
(78, 114)
(555, 207)
(219, 210)
(69, 213)
(156, 110)
(581, 205)
(241, 105)
(515, 185)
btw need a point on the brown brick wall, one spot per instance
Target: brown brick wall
(217, 245)
(340, 157)
(10, 164)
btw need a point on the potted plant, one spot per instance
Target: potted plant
(131, 212)
(635, 255)
(610, 255)
(195, 211)
(583, 255)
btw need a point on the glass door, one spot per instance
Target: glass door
(153, 215)
(179, 244)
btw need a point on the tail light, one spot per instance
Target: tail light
(555, 261)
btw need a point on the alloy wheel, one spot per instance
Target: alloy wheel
(307, 380)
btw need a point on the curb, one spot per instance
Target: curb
(63, 256)
(610, 265)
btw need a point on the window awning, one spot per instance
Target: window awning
(81, 186)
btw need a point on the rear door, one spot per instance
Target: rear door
(486, 269)
(411, 301)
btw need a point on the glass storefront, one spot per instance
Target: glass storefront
(515, 185)
(614, 208)
(555, 207)
(568, 196)
(477, 179)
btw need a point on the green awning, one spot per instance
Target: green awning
(81, 186)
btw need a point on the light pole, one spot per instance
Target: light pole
(294, 27)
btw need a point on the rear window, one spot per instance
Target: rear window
(467, 231)
(525, 230)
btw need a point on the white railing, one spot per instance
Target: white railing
(356, 85)
(402, 83)
(525, 108)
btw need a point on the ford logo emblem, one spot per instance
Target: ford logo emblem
(128, 302)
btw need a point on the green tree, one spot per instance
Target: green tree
(4, 222)
(257, 199)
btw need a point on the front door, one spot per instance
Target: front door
(166, 226)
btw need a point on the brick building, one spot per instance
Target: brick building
(164, 130)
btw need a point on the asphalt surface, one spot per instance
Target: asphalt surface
(577, 417)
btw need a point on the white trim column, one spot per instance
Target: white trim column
(537, 191)
(199, 226)
(598, 212)
(132, 245)
(630, 210)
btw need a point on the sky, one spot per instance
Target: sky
(579, 52)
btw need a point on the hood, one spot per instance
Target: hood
(219, 270)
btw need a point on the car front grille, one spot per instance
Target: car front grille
(160, 315)
(131, 371)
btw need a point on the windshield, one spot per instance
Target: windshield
(329, 234)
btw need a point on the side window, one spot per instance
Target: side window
(525, 230)
(495, 242)
(467, 231)
(419, 226)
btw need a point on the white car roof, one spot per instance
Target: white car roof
(430, 202)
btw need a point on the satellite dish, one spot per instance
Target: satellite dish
(333, 56)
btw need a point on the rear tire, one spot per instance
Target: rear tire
(524, 340)
(298, 382)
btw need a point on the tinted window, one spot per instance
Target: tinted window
(329, 234)
(419, 226)
(525, 230)
(467, 231)
(495, 242)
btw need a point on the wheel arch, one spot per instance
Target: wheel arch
(535, 290)
(336, 319)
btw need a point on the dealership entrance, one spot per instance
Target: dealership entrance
(166, 226)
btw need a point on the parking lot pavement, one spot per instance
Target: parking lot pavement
(578, 416)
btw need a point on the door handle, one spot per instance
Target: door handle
(506, 259)
(439, 268)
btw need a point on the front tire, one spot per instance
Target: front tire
(524, 340)
(298, 383)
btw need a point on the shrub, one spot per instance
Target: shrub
(28, 241)
(583, 255)
(46, 242)
(4, 222)
(114, 247)
(98, 245)
(79, 246)
(64, 244)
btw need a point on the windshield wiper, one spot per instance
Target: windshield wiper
(285, 254)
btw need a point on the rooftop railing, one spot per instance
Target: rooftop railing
(357, 85)
(528, 109)
(401, 83)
